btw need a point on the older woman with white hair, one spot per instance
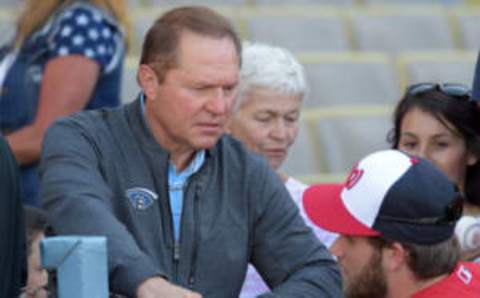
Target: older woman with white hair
(266, 117)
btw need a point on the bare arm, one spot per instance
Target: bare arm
(67, 85)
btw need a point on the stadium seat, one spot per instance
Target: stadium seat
(349, 78)
(10, 4)
(343, 135)
(302, 2)
(395, 29)
(7, 26)
(414, 2)
(300, 29)
(130, 88)
(468, 21)
(134, 3)
(455, 67)
(143, 19)
(195, 2)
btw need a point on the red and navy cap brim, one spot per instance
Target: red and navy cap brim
(324, 206)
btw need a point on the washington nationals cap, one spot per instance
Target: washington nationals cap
(390, 194)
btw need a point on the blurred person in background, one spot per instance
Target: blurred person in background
(440, 123)
(266, 118)
(12, 245)
(67, 55)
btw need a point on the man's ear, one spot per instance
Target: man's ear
(395, 257)
(148, 80)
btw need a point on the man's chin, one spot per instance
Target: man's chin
(206, 143)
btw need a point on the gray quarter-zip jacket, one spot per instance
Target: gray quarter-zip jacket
(103, 173)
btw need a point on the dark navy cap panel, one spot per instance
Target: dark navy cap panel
(422, 192)
(415, 234)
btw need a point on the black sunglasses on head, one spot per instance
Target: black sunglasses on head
(450, 89)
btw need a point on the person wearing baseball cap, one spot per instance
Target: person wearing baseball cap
(396, 215)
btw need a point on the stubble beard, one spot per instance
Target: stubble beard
(370, 282)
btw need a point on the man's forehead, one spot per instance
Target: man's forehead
(196, 46)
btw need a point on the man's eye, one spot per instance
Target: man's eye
(291, 119)
(228, 89)
(262, 119)
(200, 88)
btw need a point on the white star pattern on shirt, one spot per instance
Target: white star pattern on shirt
(78, 40)
(63, 51)
(106, 32)
(82, 20)
(85, 33)
(101, 49)
(66, 31)
(97, 17)
(68, 14)
(89, 53)
(93, 34)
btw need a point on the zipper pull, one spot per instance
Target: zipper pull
(176, 252)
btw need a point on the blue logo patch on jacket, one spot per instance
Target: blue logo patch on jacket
(141, 198)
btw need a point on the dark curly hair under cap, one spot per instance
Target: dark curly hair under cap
(458, 112)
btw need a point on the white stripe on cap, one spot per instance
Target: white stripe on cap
(373, 176)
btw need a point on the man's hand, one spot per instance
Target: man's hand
(159, 287)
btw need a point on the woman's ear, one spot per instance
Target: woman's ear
(471, 158)
(148, 80)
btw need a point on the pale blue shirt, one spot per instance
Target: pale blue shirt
(176, 186)
(177, 182)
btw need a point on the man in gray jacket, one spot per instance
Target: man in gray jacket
(184, 208)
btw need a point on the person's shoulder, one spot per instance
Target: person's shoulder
(472, 267)
(467, 275)
(94, 122)
(464, 280)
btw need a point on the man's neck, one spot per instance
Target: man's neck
(407, 285)
(180, 155)
(181, 160)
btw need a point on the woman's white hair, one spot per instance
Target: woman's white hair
(272, 67)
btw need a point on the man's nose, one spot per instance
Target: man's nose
(218, 103)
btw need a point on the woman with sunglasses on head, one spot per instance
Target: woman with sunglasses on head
(440, 123)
